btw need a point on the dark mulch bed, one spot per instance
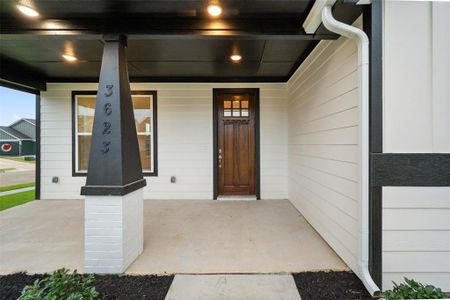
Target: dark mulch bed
(133, 287)
(12, 285)
(109, 286)
(330, 285)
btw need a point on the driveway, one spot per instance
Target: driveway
(21, 172)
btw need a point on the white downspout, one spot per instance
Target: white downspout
(361, 38)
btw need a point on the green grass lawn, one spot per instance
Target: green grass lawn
(16, 186)
(20, 158)
(12, 200)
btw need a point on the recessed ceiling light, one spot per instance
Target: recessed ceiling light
(26, 10)
(214, 10)
(69, 57)
(236, 57)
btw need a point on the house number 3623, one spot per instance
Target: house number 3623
(109, 90)
(106, 124)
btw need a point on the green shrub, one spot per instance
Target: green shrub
(413, 290)
(61, 285)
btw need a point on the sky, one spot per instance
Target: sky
(15, 105)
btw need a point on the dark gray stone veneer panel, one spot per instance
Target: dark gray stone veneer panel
(410, 169)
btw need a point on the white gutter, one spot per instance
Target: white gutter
(362, 40)
(314, 18)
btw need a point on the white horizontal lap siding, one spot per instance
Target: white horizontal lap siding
(56, 145)
(323, 144)
(184, 140)
(273, 143)
(416, 235)
(416, 60)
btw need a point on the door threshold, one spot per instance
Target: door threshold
(237, 197)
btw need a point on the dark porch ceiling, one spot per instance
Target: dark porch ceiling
(167, 40)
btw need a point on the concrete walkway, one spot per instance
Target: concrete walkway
(21, 172)
(17, 191)
(233, 287)
(181, 237)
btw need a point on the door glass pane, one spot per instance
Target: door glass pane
(236, 104)
(236, 113)
(142, 112)
(84, 145)
(226, 104)
(145, 151)
(227, 113)
(244, 104)
(85, 113)
(244, 112)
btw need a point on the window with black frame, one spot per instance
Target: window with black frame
(145, 114)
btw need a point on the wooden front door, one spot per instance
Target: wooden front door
(236, 143)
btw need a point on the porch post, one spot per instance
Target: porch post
(113, 190)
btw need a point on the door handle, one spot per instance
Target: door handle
(220, 158)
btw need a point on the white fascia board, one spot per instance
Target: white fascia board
(10, 134)
(21, 120)
(29, 122)
(314, 18)
(16, 122)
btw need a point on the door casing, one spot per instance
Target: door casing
(255, 93)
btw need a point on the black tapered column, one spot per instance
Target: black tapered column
(114, 162)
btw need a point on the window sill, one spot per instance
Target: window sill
(145, 174)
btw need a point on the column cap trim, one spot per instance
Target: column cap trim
(108, 190)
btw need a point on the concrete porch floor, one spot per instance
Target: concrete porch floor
(181, 236)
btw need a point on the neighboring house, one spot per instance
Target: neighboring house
(288, 121)
(19, 138)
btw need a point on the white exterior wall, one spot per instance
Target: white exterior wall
(416, 235)
(323, 143)
(185, 145)
(416, 220)
(416, 76)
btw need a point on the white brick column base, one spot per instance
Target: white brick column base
(113, 232)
